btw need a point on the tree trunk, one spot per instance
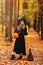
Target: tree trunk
(41, 12)
(18, 7)
(8, 30)
(15, 15)
(42, 27)
(35, 23)
(39, 25)
(2, 17)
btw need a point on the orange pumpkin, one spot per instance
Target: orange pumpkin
(15, 35)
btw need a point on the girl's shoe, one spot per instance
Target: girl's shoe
(12, 57)
(19, 58)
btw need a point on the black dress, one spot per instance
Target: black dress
(19, 46)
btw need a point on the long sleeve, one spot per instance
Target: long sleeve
(26, 32)
(17, 30)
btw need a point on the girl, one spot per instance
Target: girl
(19, 46)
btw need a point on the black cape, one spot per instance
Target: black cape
(19, 46)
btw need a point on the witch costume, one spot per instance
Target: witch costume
(19, 46)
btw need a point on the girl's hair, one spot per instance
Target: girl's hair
(19, 20)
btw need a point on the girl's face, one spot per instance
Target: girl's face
(21, 24)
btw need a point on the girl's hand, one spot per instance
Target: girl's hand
(27, 28)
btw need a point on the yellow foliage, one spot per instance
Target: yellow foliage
(32, 8)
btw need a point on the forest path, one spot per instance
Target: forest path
(32, 40)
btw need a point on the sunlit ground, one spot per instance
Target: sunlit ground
(32, 40)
